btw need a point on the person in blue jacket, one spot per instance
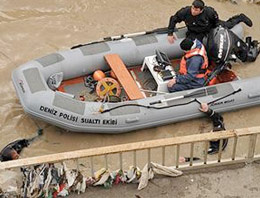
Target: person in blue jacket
(193, 67)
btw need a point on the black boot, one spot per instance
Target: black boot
(230, 23)
(246, 20)
(214, 146)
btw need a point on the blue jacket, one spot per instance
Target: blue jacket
(194, 64)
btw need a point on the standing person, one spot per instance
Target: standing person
(218, 125)
(193, 67)
(200, 19)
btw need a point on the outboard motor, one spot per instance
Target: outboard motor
(223, 45)
(220, 45)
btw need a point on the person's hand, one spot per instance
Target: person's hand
(204, 107)
(171, 82)
(171, 38)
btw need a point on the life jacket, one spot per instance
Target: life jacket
(195, 52)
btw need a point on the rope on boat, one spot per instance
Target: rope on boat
(234, 92)
(170, 106)
(146, 106)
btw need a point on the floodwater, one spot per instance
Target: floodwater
(33, 28)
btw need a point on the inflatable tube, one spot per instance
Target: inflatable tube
(62, 110)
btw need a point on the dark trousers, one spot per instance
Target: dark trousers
(231, 22)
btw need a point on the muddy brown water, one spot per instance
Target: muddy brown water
(31, 29)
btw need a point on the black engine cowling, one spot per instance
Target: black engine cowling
(219, 45)
(222, 42)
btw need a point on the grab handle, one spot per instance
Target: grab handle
(131, 120)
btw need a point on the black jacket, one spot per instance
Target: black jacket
(217, 119)
(17, 145)
(202, 23)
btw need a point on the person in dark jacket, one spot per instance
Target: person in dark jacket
(218, 125)
(193, 67)
(13, 149)
(200, 19)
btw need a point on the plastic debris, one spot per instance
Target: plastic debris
(102, 178)
(46, 180)
(164, 170)
(144, 178)
(153, 168)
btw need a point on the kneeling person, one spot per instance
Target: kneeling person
(218, 125)
(193, 67)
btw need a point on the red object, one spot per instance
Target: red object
(117, 180)
(224, 76)
(73, 81)
(82, 98)
(55, 194)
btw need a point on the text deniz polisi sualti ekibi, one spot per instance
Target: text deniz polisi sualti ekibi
(73, 118)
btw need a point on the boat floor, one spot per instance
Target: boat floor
(80, 91)
(144, 80)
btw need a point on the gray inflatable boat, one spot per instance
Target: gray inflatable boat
(59, 88)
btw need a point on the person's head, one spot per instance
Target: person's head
(187, 44)
(14, 154)
(197, 7)
(9, 154)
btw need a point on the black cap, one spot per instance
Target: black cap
(186, 44)
(198, 4)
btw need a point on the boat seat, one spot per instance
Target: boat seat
(123, 76)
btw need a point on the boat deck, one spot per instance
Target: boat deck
(144, 80)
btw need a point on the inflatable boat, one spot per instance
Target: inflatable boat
(114, 86)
